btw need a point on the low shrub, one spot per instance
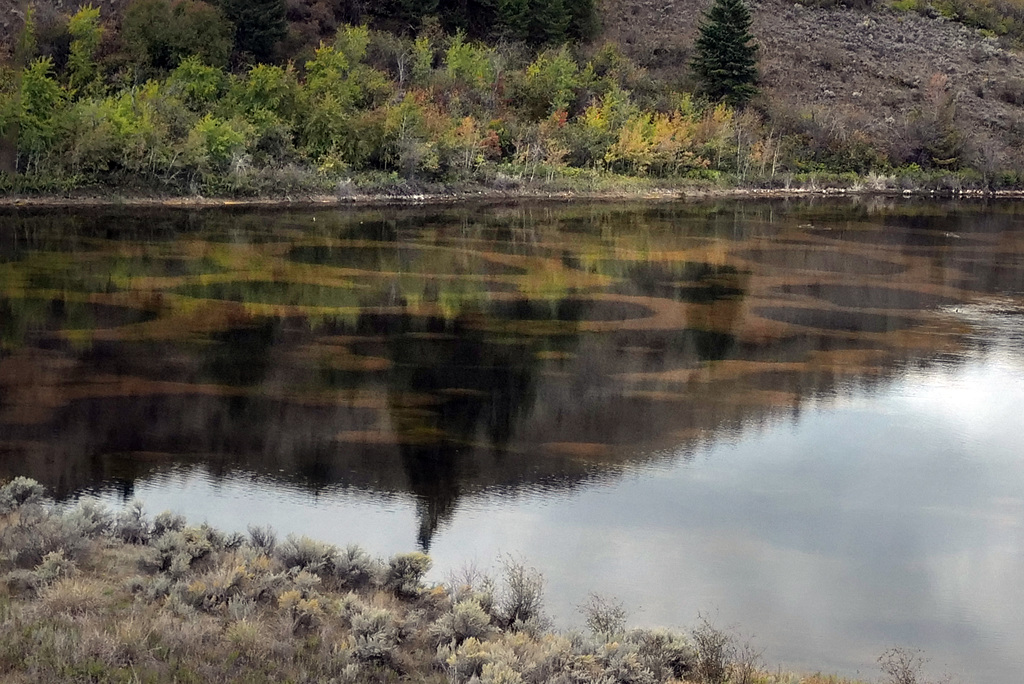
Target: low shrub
(263, 539)
(520, 603)
(605, 616)
(404, 575)
(713, 651)
(377, 635)
(355, 569)
(304, 553)
(466, 620)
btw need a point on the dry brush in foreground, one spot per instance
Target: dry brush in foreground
(88, 595)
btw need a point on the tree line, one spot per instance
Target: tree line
(185, 95)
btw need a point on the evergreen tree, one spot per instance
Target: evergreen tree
(550, 21)
(514, 19)
(259, 26)
(583, 19)
(725, 62)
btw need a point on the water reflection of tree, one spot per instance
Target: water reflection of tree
(487, 403)
(485, 388)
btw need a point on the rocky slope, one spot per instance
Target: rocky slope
(849, 70)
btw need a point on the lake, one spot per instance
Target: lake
(799, 419)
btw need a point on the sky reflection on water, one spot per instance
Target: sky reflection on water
(802, 420)
(872, 519)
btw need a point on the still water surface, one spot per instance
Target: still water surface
(802, 420)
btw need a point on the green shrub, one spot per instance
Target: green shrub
(178, 550)
(377, 635)
(551, 82)
(159, 34)
(167, 521)
(20, 491)
(405, 573)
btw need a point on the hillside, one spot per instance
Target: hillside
(846, 70)
(189, 97)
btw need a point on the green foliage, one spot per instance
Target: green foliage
(259, 26)
(551, 83)
(422, 60)
(467, 112)
(514, 19)
(42, 103)
(468, 63)
(120, 132)
(725, 60)
(159, 34)
(217, 141)
(405, 572)
(26, 47)
(86, 33)
(352, 41)
(9, 95)
(197, 84)
(403, 16)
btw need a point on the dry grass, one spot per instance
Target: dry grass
(188, 604)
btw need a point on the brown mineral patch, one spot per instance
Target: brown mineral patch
(848, 357)
(462, 392)
(768, 398)
(583, 450)
(417, 436)
(344, 340)
(677, 375)
(691, 434)
(387, 437)
(347, 361)
(653, 395)
(554, 355)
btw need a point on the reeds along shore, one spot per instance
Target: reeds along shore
(93, 596)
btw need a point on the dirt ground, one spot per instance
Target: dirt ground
(852, 70)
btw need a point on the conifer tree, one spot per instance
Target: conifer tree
(725, 62)
(259, 26)
(550, 21)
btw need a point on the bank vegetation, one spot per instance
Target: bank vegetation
(87, 595)
(166, 98)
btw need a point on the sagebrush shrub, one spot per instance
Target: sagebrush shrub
(605, 616)
(131, 524)
(308, 554)
(18, 492)
(263, 539)
(405, 573)
(521, 601)
(713, 650)
(355, 569)
(467, 619)
(167, 522)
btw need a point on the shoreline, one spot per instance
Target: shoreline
(90, 593)
(88, 201)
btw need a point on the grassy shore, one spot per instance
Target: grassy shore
(90, 596)
(517, 184)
